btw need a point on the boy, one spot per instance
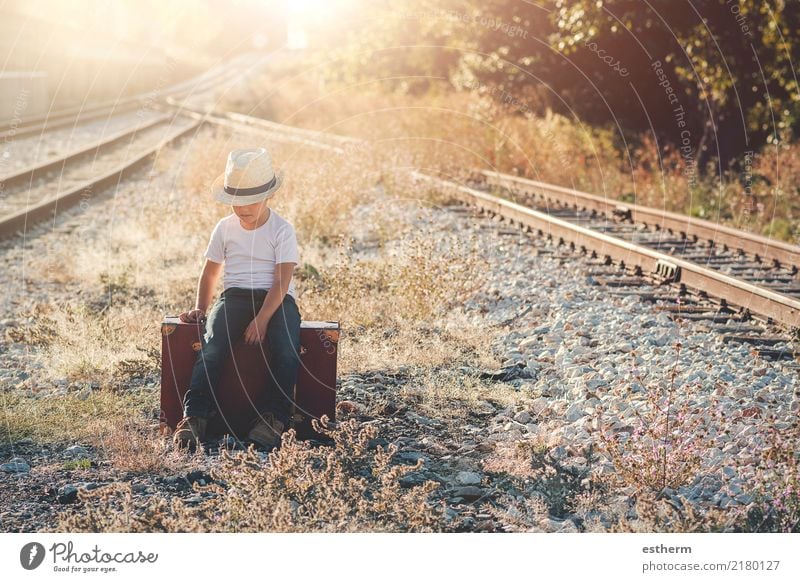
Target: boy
(259, 251)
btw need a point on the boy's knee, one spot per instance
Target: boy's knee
(213, 351)
(284, 355)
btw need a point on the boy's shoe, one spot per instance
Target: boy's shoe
(267, 431)
(189, 432)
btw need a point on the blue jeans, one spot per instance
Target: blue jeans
(225, 325)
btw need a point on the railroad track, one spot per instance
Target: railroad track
(678, 229)
(70, 117)
(43, 198)
(749, 305)
(37, 192)
(277, 131)
(766, 270)
(742, 286)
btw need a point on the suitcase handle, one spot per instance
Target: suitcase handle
(178, 317)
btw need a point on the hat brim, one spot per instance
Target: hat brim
(218, 191)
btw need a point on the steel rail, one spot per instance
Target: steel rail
(780, 253)
(65, 118)
(273, 130)
(774, 306)
(32, 172)
(32, 125)
(47, 209)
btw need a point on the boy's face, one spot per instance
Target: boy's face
(251, 213)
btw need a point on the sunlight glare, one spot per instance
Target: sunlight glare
(304, 15)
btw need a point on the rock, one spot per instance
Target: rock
(468, 478)
(540, 405)
(568, 526)
(418, 418)
(468, 493)
(76, 452)
(410, 457)
(574, 412)
(200, 477)
(549, 525)
(595, 383)
(483, 408)
(412, 479)
(16, 465)
(67, 494)
(510, 372)
(350, 407)
(522, 417)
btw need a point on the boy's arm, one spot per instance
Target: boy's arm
(257, 329)
(207, 284)
(276, 293)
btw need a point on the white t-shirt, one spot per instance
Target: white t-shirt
(250, 256)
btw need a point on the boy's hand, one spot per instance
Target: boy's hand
(192, 316)
(256, 331)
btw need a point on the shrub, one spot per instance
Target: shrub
(664, 449)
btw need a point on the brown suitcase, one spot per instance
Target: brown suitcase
(245, 377)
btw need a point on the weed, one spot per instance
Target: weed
(542, 472)
(76, 464)
(38, 331)
(776, 487)
(665, 447)
(346, 487)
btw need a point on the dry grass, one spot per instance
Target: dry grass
(415, 345)
(415, 282)
(450, 393)
(348, 487)
(71, 418)
(111, 346)
(135, 446)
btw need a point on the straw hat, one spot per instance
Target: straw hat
(248, 178)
